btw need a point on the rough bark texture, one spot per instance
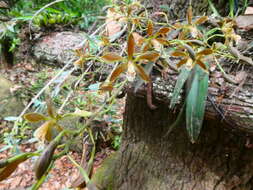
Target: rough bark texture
(148, 160)
(231, 103)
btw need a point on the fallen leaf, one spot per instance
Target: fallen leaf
(249, 11)
(240, 76)
(113, 25)
(245, 22)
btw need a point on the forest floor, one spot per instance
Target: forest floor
(64, 172)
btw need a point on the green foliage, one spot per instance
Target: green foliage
(195, 103)
(80, 13)
(116, 142)
(183, 76)
(41, 78)
(233, 5)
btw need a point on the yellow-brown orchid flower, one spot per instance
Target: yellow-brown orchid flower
(154, 39)
(45, 131)
(190, 58)
(129, 64)
(229, 32)
(190, 26)
(84, 55)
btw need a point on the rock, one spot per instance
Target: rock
(57, 48)
(9, 105)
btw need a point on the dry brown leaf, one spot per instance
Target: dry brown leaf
(245, 22)
(113, 23)
(249, 11)
(235, 52)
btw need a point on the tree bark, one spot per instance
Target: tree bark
(149, 160)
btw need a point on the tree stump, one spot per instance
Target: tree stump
(221, 159)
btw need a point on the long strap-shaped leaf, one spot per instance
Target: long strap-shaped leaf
(183, 76)
(195, 103)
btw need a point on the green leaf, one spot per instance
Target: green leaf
(231, 8)
(195, 103)
(78, 113)
(184, 74)
(215, 12)
(212, 31)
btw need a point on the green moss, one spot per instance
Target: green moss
(103, 178)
